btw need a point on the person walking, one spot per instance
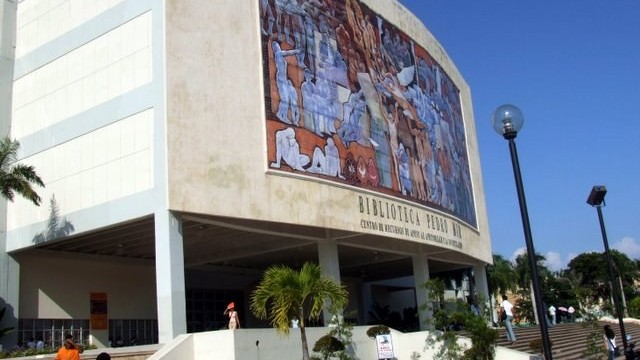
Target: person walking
(552, 313)
(610, 342)
(234, 321)
(69, 350)
(507, 308)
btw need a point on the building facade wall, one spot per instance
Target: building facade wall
(52, 291)
(87, 110)
(128, 108)
(219, 155)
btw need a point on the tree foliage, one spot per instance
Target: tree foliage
(451, 316)
(15, 177)
(523, 270)
(500, 276)
(285, 292)
(590, 272)
(584, 284)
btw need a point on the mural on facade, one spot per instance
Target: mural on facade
(352, 99)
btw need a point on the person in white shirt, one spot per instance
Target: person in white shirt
(552, 313)
(507, 307)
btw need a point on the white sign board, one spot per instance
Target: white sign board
(385, 346)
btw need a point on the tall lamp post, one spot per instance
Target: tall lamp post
(596, 199)
(507, 121)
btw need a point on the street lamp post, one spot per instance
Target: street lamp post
(507, 121)
(596, 199)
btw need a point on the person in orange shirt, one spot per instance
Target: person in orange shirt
(69, 350)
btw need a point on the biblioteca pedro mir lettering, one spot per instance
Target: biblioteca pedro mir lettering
(408, 215)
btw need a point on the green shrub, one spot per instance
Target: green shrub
(376, 330)
(327, 346)
(634, 307)
(483, 338)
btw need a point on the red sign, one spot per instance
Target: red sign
(99, 314)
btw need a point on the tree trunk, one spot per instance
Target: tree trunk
(303, 337)
(533, 304)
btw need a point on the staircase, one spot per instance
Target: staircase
(568, 340)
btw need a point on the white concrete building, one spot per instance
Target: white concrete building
(186, 146)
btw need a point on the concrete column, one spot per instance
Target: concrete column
(8, 11)
(482, 287)
(10, 294)
(172, 317)
(330, 264)
(9, 268)
(363, 313)
(421, 276)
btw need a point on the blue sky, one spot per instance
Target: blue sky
(573, 68)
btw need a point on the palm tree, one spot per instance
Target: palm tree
(523, 270)
(284, 293)
(501, 275)
(16, 178)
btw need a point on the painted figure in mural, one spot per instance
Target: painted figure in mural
(369, 42)
(356, 66)
(286, 91)
(418, 178)
(443, 199)
(362, 171)
(343, 40)
(423, 155)
(415, 96)
(372, 172)
(267, 17)
(438, 80)
(443, 157)
(352, 57)
(295, 14)
(292, 107)
(288, 150)
(404, 156)
(280, 8)
(325, 53)
(325, 103)
(380, 143)
(426, 75)
(386, 46)
(353, 110)
(310, 40)
(391, 117)
(354, 19)
(349, 170)
(323, 25)
(309, 107)
(330, 60)
(327, 162)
